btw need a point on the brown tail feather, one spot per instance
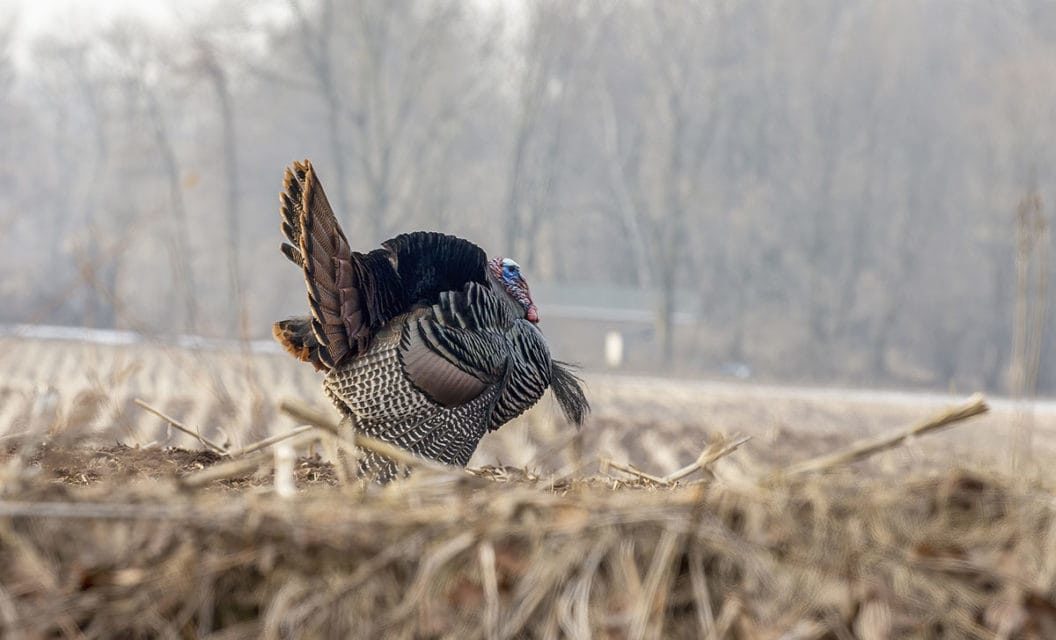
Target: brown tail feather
(290, 207)
(297, 337)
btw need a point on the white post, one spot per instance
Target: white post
(614, 349)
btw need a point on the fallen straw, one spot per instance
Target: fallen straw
(267, 442)
(630, 470)
(179, 426)
(709, 456)
(866, 448)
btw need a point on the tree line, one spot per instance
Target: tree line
(834, 190)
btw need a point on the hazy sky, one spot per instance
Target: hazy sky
(36, 17)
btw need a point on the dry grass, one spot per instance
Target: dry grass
(503, 554)
(683, 533)
(113, 543)
(661, 426)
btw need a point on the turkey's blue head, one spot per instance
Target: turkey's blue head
(508, 274)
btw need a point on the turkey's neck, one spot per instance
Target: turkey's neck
(502, 294)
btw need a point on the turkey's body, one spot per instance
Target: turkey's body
(426, 344)
(376, 392)
(381, 402)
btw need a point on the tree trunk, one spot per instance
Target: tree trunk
(1028, 331)
(665, 315)
(316, 44)
(238, 320)
(180, 246)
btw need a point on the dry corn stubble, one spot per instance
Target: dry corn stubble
(505, 554)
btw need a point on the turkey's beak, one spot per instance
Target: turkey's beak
(532, 314)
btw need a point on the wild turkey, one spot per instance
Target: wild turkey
(426, 343)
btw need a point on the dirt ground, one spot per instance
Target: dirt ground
(86, 466)
(83, 466)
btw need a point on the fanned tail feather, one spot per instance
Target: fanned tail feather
(290, 207)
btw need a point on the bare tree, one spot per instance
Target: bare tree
(72, 63)
(656, 152)
(217, 76)
(545, 73)
(406, 87)
(1028, 331)
(7, 124)
(315, 38)
(821, 186)
(141, 68)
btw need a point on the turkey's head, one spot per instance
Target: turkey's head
(507, 274)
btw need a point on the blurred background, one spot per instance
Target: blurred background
(845, 192)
